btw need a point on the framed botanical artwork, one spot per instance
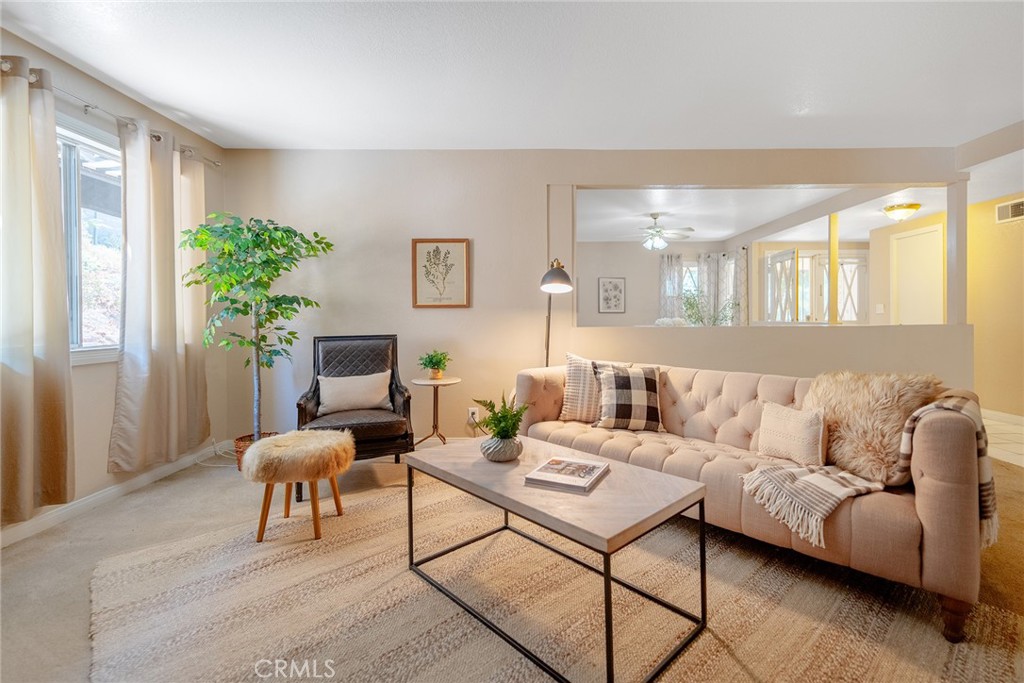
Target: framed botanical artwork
(440, 273)
(611, 295)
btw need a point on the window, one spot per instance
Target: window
(810, 286)
(90, 172)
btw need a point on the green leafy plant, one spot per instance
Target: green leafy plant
(243, 260)
(435, 360)
(503, 422)
(699, 311)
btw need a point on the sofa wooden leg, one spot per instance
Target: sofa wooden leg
(954, 618)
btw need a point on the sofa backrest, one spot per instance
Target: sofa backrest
(723, 407)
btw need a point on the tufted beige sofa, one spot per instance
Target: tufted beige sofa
(925, 535)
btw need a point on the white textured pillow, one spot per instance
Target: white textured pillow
(358, 392)
(582, 399)
(797, 435)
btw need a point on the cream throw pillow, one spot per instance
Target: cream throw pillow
(358, 392)
(582, 399)
(865, 414)
(797, 435)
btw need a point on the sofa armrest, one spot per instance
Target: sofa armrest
(542, 389)
(944, 467)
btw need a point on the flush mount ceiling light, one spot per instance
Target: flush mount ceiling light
(901, 212)
(656, 237)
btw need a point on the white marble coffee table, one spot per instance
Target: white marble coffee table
(629, 502)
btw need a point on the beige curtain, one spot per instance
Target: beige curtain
(191, 312)
(36, 434)
(153, 401)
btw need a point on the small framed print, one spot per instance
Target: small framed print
(611, 295)
(440, 273)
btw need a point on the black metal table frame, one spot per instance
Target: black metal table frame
(700, 622)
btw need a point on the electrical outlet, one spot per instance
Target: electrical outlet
(472, 415)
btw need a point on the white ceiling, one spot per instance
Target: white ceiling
(719, 214)
(553, 75)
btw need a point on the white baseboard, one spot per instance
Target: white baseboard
(1002, 417)
(55, 514)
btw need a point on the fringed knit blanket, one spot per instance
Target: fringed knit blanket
(802, 497)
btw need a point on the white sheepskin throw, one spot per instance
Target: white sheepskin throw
(299, 456)
(865, 414)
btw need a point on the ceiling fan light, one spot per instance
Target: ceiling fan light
(901, 212)
(659, 242)
(648, 243)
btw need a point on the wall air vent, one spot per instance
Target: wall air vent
(1010, 211)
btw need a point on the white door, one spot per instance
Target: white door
(917, 277)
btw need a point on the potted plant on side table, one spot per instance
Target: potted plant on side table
(243, 260)
(503, 424)
(436, 362)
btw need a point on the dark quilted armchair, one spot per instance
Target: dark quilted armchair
(377, 432)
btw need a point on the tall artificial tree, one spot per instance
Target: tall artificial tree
(243, 260)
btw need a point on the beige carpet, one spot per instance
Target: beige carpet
(346, 608)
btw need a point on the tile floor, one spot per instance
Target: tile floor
(1005, 441)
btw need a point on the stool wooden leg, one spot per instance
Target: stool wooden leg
(314, 499)
(268, 494)
(337, 495)
(287, 499)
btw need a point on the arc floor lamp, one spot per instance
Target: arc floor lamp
(555, 281)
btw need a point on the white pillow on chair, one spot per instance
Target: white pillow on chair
(357, 392)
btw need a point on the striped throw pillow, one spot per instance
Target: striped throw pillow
(629, 399)
(582, 399)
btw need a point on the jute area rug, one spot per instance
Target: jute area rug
(221, 607)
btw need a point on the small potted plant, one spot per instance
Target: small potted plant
(436, 362)
(503, 424)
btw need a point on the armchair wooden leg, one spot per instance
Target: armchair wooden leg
(954, 618)
(268, 494)
(298, 492)
(314, 501)
(287, 499)
(336, 494)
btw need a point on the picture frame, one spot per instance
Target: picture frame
(440, 273)
(611, 295)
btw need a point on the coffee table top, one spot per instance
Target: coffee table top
(627, 503)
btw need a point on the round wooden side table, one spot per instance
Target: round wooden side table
(436, 384)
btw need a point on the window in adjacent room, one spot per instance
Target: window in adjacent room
(90, 171)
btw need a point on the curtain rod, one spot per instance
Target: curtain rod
(188, 151)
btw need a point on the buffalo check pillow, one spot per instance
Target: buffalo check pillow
(629, 398)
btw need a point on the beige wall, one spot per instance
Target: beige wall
(93, 385)
(640, 267)
(517, 209)
(995, 305)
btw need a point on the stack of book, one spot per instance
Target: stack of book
(568, 474)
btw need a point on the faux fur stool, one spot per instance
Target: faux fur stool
(294, 457)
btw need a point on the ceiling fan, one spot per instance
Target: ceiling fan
(656, 237)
